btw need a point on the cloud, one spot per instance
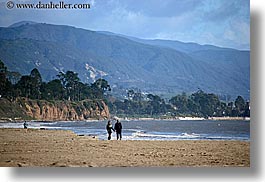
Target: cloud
(160, 8)
(222, 10)
(218, 22)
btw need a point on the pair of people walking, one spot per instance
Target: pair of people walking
(117, 128)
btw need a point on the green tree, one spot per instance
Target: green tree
(240, 106)
(53, 90)
(30, 85)
(13, 77)
(3, 79)
(36, 82)
(156, 104)
(6, 88)
(180, 102)
(240, 103)
(70, 82)
(247, 110)
(100, 86)
(206, 104)
(24, 86)
(229, 109)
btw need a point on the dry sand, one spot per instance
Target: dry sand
(57, 148)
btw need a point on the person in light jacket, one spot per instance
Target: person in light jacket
(109, 129)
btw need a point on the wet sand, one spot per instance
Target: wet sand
(57, 148)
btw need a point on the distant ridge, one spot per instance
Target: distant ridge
(156, 66)
(174, 44)
(21, 23)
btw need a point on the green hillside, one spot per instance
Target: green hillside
(123, 62)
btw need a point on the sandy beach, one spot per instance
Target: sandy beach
(58, 148)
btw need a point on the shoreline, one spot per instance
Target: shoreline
(188, 118)
(143, 119)
(62, 148)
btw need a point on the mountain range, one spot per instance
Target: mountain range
(154, 66)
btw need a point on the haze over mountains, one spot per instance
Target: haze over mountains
(155, 66)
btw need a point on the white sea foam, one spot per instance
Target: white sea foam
(11, 125)
(34, 125)
(140, 134)
(151, 130)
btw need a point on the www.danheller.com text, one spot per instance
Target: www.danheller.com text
(49, 5)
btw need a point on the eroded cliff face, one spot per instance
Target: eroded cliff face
(63, 110)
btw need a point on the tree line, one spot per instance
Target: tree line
(67, 86)
(198, 104)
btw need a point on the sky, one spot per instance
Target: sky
(224, 23)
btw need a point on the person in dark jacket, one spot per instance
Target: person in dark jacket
(118, 128)
(25, 125)
(109, 128)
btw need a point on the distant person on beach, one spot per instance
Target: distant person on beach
(25, 125)
(109, 128)
(118, 128)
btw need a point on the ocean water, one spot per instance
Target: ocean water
(153, 129)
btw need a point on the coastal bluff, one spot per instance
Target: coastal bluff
(28, 109)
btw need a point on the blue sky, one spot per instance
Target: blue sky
(223, 23)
